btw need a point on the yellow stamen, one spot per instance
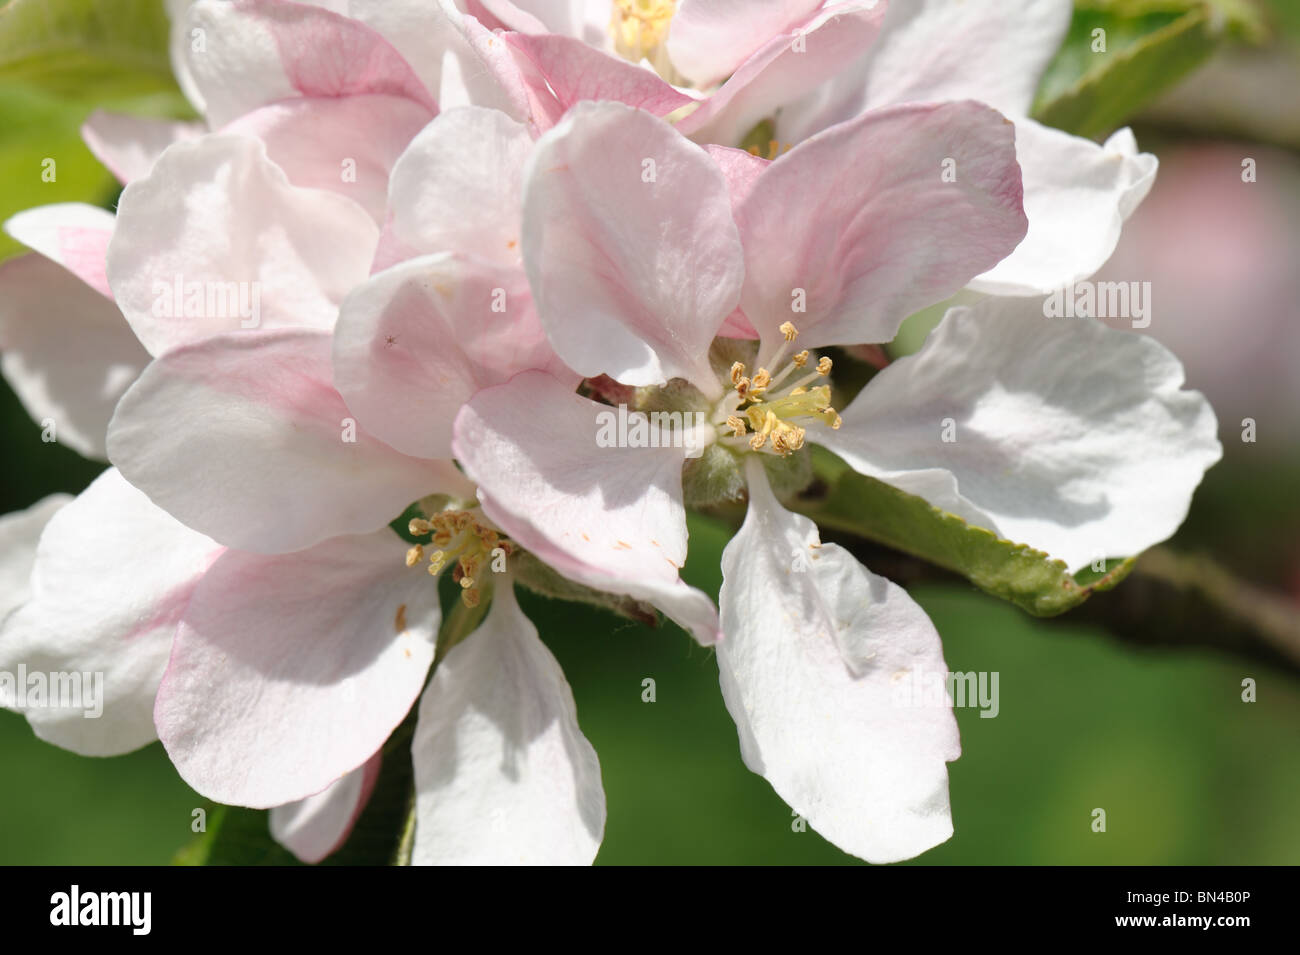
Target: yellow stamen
(770, 413)
(462, 540)
(639, 27)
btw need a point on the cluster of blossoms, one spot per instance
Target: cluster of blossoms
(446, 236)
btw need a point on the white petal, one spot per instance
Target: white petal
(178, 48)
(416, 341)
(807, 56)
(244, 437)
(709, 39)
(1071, 437)
(215, 239)
(457, 186)
(815, 647)
(1077, 196)
(630, 247)
(291, 670)
(314, 827)
(503, 774)
(256, 53)
(460, 61)
(68, 353)
(610, 517)
(345, 144)
(19, 532)
(129, 145)
(113, 575)
(855, 229)
(73, 234)
(993, 51)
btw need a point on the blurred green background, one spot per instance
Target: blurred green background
(1186, 771)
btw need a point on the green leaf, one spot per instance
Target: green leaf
(1026, 577)
(104, 48)
(1149, 46)
(42, 158)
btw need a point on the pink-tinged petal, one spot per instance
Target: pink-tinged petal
(1069, 436)
(129, 145)
(19, 532)
(630, 247)
(817, 653)
(859, 227)
(391, 250)
(608, 517)
(112, 577)
(559, 71)
(416, 342)
(317, 826)
(1077, 196)
(459, 59)
(65, 350)
(216, 239)
(291, 670)
(787, 66)
(346, 145)
(258, 52)
(457, 186)
(243, 437)
(931, 50)
(505, 15)
(73, 234)
(741, 170)
(503, 774)
(587, 20)
(709, 39)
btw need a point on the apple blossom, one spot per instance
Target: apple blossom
(835, 242)
(439, 306)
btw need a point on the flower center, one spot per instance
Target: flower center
(762, 409)
(639, 29)
(458, 541)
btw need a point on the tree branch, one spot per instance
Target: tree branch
(1170, 600)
